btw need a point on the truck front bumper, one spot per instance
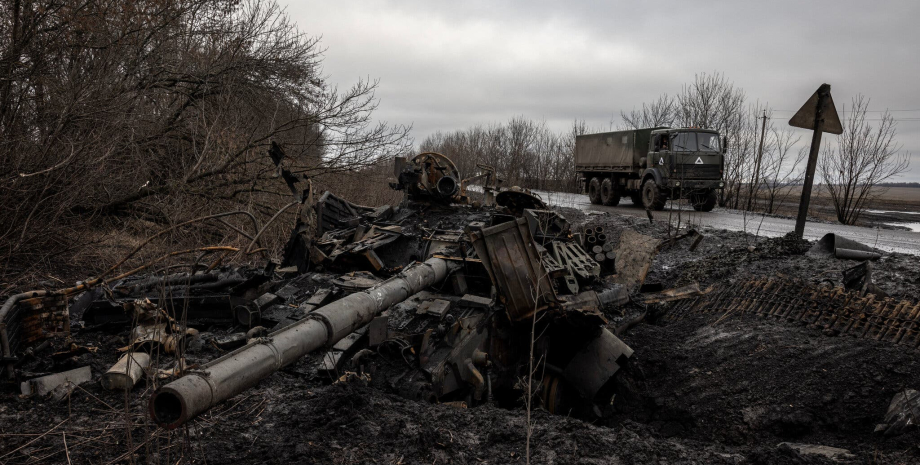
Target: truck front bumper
(695, 184)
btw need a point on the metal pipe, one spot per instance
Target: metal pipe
(183, 399)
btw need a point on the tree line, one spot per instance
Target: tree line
(524, 152)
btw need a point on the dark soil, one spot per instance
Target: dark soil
(696, 391)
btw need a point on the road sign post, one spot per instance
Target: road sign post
(818, 114)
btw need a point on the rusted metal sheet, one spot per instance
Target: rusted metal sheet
(595, 364)
(510, 256)
(31, 317)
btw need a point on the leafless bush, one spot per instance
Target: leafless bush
(863, 157)
(153, 112)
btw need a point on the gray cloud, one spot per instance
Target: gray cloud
(446, 66)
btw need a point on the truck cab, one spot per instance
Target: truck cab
(683, 163)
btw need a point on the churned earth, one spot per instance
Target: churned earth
(702, 389)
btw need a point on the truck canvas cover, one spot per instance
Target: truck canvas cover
(618, 150)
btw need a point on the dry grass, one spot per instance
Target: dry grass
(904, 199)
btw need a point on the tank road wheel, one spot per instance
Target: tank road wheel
(704, 202)
(653, 198)
(610, 195)
(594, 191)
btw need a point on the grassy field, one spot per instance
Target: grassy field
(886, 199)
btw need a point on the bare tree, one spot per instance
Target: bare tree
(711, 101)
(524, 152)
(780, 169)
(864, 156)
(660, 113)
(160, 110)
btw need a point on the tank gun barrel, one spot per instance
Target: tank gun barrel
(196, 392)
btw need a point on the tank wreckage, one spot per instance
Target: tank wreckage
(457, 294)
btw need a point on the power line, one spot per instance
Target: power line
(867, 111)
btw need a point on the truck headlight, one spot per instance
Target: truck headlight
(721, 184)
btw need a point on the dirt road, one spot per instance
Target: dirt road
(884, 239)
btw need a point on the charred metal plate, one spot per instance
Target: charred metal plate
(437, 308)
(510, 256)
(518, 201)
(596, 363)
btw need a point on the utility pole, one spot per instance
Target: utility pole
(756, 184)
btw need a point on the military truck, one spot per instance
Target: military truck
(652, 165)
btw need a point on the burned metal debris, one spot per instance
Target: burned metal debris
(461, 292)
(841, 247)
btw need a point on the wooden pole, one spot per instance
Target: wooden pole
(756, 183)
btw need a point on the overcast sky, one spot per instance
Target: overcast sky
(450, 65)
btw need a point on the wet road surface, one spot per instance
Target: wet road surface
(883, 239)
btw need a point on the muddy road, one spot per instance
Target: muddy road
(891, 240)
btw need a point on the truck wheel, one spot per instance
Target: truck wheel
(653, 198)
(594, 191)
(704, 202)
(610, 195)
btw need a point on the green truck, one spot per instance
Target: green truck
(652, 166)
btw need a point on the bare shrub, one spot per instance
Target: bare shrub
(151, 112)
(863, 157)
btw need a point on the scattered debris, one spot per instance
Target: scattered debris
(902, 413)
(129, 369)
(842, 247)
(43, 385)
(156, 329)
(859, 279)
(459, 302)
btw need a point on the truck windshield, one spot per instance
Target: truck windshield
(696, 142)
(684, 142)
(709, 142)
